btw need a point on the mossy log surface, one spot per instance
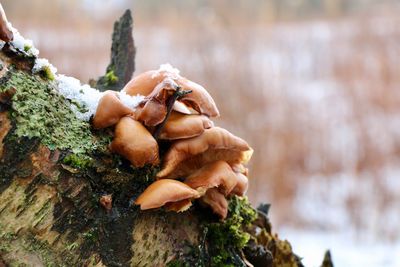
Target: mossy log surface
(53, 170)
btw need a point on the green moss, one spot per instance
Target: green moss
(39, 111)
(46, 73)
(111, 78)
(227, 238)
(27, 48)
(79, 161)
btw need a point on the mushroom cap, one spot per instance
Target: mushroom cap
(134, 142)
(216, 201)
(187, 155)
(163, 191)
(242, 184)
(199, 100)
(182, 108)
(106, 202)
(109, 110)
(180, 126)
(6, 33)
(153, 109)
(216, 174)
(144, 83)
(179, 206)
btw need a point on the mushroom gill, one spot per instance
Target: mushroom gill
(109, 110)
(187, 155)
(181, 126)
(164, 191)
(134, 142)
(216, 201)
(217, 174)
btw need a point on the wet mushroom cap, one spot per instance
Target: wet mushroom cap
(153, 109)
(216, 174)
(134, 142)
(6, 33)
(109, 110)
(187, 155)
(216, 201)
(164, 191)
(181, 126)
(199, 100)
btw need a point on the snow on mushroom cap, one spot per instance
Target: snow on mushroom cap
(163, 191)
(87, 97)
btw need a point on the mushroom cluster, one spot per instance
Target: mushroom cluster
(203, 161)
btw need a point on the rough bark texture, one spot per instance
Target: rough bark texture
(53, 170)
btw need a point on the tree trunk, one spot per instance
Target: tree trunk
(54, 168)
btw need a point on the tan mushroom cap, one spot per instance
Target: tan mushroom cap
(242, 184)
(134, 142)
(153, 109)
(216, 201)
(187, 155)
(216, 174)
(109, 110)
(180, 126)
(163, 191)
(6, 33)
(199, 100)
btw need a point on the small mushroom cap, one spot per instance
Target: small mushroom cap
(6, 33)
(134, 142)
(179, 206)
(216, 201)
(153, 109)
(187, 155)
(106, 202)
(163, 191)
(180, 126)
(217, 174)
(109, 110)
(242, 184)
(144, 83)
(200, 100)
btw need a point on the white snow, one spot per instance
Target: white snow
(172, 72)
(346, 250)
(41, 63)
(89, 97)
(23, 44)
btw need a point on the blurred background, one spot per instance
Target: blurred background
(312, 85)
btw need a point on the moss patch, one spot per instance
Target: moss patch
(39, 111)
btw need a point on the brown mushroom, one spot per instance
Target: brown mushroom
(153, 109)
(199, 100)
(106, 202)
(110, 110)
(216, 201)
(180, 126)
(187, 155)
(6, 33)
(216, 174)
(164, 191)
(134, 142)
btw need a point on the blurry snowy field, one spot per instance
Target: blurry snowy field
(318, 99)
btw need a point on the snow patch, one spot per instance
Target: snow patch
(172, 72)
(42, 63)
(23, 44)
